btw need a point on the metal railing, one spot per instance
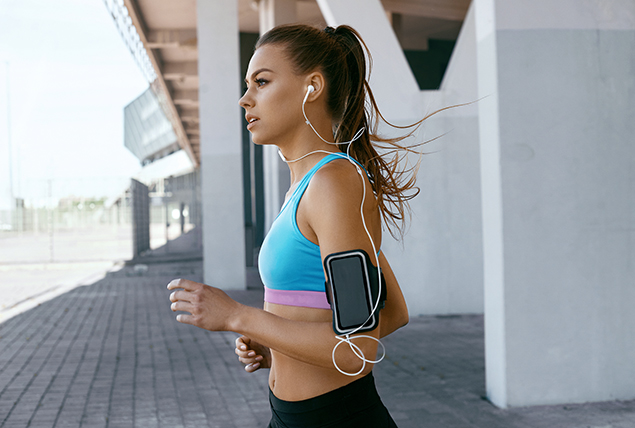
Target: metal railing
(54, 224)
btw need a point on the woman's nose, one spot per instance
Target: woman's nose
(245, 101)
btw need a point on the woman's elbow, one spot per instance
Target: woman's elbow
(348, 362)
(404, 319)
(401, 321)
(393, 323)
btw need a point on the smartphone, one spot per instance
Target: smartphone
(350, 292)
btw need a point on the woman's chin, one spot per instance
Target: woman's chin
(259, 141)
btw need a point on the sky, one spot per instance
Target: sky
(70, 75)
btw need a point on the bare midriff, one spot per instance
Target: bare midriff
(294, 380)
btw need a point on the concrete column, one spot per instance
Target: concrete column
(276, 12)
(440, 264)
(221, 155)
(276, 172)
(557, 178)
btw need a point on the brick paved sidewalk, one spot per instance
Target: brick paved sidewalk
(112, 355)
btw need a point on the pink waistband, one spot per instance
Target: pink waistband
(307, 299)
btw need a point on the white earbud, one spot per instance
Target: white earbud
(309, 90)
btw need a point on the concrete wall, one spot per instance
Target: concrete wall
(558, 209)
(440, 261)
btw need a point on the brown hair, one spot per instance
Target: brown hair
(340, 54)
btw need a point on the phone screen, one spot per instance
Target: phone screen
(349, 287)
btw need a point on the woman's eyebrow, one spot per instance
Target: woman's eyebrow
(257, 72)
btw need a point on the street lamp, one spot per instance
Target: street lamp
(9, 135)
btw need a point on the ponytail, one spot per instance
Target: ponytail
(341, 54)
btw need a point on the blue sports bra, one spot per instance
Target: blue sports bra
(290, 265)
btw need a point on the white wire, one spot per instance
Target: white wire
(356, 349)
(347, 338)
(308, 122)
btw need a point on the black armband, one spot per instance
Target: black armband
(352, 290)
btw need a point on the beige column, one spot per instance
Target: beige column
(221, 152)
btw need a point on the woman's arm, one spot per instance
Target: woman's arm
(328, 215)
(333, 210)
(311, 342)
(394, 316)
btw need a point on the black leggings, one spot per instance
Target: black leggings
(354, 405)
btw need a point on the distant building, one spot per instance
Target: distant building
(147, 132)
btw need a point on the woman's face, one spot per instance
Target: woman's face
(273, 100)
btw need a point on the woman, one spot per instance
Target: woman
(305, 94)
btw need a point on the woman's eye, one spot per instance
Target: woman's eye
(260, 82)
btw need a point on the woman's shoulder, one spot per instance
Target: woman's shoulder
(338, 185)
(332, 207)
(339, 175)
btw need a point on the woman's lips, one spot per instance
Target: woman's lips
(252, 120)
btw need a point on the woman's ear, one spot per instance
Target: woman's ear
(315, 80)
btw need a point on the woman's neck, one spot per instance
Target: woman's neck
(303, 152)
(298, 167)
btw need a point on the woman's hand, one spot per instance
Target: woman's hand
(207, 307)
(252, 354)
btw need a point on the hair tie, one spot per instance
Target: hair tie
(329, 30)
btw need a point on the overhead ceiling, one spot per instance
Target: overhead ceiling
(167, 33)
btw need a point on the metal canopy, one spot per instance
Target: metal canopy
(147, 132)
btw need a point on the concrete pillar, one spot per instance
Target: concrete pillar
(557, 178)
(441, 263)
(221, 155)
(276, 172)
(276, 12)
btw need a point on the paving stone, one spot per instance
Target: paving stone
(112, 355)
